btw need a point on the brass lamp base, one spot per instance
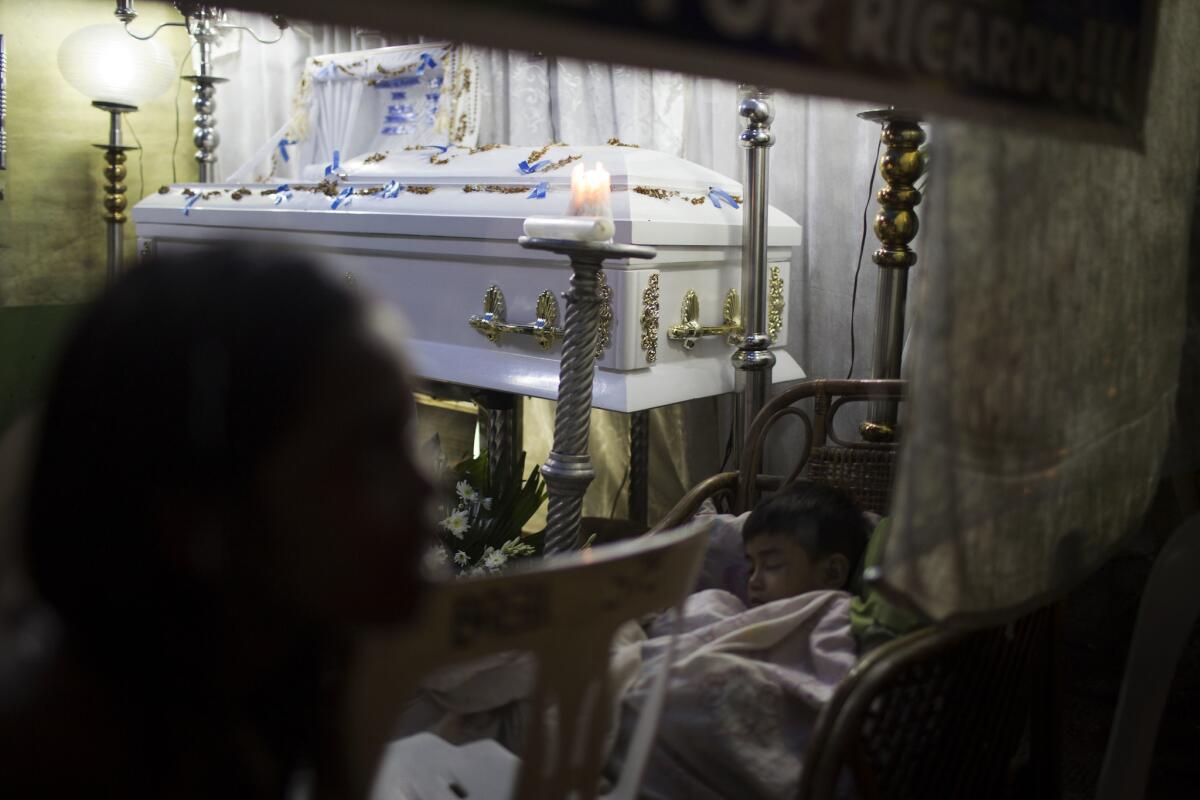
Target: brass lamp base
(115, 201)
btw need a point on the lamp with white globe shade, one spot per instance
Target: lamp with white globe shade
(117, 73)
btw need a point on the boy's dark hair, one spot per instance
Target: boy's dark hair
(821, 519)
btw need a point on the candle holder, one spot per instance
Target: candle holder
(568, 470)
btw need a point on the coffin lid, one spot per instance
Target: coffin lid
(657, 199)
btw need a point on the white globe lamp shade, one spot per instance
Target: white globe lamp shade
(108, 65)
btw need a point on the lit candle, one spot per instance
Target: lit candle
(589, 215)
(590, 193)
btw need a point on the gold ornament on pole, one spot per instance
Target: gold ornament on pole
(901, 164)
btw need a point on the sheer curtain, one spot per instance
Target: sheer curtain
(264, 78)
(821, 167)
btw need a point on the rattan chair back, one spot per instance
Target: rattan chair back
(860, 468)
(937, 713)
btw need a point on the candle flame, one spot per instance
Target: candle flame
(590, 191)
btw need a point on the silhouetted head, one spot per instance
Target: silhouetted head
(227, 434)
(804, 539)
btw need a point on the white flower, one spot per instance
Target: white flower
(461, 558)
(486, 503)
(456, 523)
(493, 559)
(466, 492)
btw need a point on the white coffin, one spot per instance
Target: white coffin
(434, 248)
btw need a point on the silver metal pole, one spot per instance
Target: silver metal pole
(753, 360)
(501, 413)
(115, 217)
(891, 294)
(568, 471)
(204, 28)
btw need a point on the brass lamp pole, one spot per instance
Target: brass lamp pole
(901, 165)
(114, 190)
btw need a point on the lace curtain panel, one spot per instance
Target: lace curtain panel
(1047, 350)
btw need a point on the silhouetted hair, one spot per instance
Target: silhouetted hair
(175, 383)
(819, 518)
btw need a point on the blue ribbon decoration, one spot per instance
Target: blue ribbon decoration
(399, 95)
(191, 201)
(283, 192)
(345, 196)
(396, 83)
(528, 169)
(539, 191)
(426, 62)
(441, 148)
(391, 189)
(717, 195)
(337, 162)
(283, 146)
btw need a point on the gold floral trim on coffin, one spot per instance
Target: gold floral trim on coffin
(604, 328)
(330, 187)
(536, 155)
(495, 187)
(666, 194)
(560, 163)
(650, 310)
(775, 303)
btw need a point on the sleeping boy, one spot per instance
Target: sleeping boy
(808, 538)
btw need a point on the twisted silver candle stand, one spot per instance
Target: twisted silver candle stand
(568, 471)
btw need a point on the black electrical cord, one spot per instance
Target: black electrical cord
(178, 87)
(729, 441)
(862, 245)
(141, 192)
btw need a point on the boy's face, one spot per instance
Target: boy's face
(779, 568)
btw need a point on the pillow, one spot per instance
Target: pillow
(724, 564)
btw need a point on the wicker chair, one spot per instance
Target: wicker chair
(863, 469)
(942, 713)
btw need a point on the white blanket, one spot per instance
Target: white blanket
(745, 690)
(744, 694)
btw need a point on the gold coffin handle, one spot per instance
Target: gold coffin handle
(689, 330)
(492, 323)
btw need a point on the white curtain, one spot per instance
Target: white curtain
(821, 166)
(258, 99)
